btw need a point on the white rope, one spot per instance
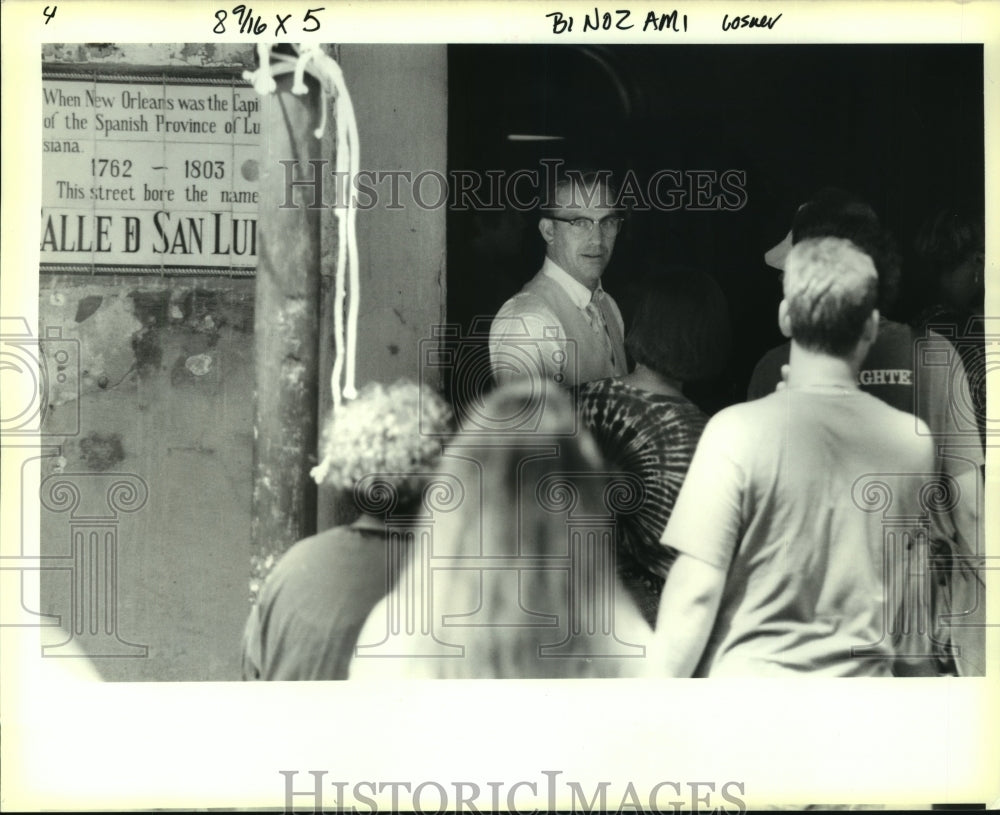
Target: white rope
(348, 165)
(342, 164)
(354, 147)
(262, 79)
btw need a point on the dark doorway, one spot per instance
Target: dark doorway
(900, 125)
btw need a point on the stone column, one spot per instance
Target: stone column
(286, 326)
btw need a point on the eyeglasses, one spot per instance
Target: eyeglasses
(610, 224)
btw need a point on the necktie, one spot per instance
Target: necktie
(599, 325)
(594, 315)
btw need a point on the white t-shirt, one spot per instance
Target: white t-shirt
(785, 494)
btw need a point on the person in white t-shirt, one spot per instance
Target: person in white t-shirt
(784, 567)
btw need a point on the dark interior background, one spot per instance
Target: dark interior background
(900, 125)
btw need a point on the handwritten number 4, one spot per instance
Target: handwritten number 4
(49, 16)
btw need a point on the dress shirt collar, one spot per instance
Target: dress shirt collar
(578, 293)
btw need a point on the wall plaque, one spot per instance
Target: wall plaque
(149, 174)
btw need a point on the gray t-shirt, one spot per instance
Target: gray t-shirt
(784, 495)
(306, 621)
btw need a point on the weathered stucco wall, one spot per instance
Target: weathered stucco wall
(166, 377)
(164, 391)
(402, 250)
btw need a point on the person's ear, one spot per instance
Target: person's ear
(548, 229)
(784, 321)
(870, 332)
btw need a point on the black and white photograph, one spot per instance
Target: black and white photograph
(570, 354)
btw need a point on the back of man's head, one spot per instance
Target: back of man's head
(831, 288)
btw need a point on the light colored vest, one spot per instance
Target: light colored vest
(592, 360)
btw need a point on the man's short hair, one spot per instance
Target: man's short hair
(831, 288)
(587, 187)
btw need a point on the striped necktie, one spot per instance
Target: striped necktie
(598, 324)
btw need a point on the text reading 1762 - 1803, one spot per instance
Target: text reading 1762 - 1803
(149, 174)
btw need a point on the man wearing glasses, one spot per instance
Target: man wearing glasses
(562, 325)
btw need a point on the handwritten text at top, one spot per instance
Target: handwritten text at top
(250, 23)
(619, 20)
(622, 20)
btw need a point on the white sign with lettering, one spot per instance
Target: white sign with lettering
(149, 176)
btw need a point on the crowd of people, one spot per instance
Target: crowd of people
(588, 519)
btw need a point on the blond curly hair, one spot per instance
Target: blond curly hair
(392, 432)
